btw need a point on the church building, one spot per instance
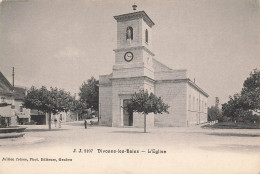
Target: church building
(137, 69)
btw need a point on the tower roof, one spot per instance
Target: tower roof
(135, 15)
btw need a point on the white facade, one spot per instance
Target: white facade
(136, 69)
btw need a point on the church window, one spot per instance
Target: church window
(129, 33)
(189, 102)
(193, 103)
(146, 36)
(197, 105)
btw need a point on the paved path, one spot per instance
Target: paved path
(188, 150)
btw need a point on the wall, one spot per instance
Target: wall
(121, 33)
(174, 94)
(123, 89)
(139, 120)
(105, 100)
(196, 106)
(105, 104)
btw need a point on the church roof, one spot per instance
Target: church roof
(135, 15)
(197, 87)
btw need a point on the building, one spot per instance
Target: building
(23, 114)
(137, 69)
(7, 114)
(12, 111)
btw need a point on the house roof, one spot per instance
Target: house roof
(5, 85)
(19, 93)
(198, 88)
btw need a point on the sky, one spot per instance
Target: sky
(62, 43)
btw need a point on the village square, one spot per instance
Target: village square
(140, 114)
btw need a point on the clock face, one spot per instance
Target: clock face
(128, 56)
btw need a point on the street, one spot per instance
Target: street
(129, 150)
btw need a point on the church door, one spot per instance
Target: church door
(128, 117)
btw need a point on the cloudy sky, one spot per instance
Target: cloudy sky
(64, 42)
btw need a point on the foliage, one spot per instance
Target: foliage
(240, 106)
(146, 103)
(214, 113)
(89, 92)
(251, 90)
(49, 101)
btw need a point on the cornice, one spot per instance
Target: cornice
(183, 80)
(135, 15)
(127, 78)
(135, 48)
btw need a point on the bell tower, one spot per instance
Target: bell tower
(133, 68)
(134, 46)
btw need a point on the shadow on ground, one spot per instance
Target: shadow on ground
(225, 134)
(232, 147)
(234, 134)
(129, 132)
(44, 130)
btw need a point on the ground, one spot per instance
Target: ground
(188, 150)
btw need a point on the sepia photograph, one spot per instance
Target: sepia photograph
(129, 86)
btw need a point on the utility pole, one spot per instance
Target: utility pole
(13, 78)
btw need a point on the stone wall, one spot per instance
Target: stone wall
(139, 120)
(196, 105)
(174, 94)
(105, 104)
(123, 89)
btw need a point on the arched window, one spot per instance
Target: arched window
(129, 33)
(189, 102)
(193, 103)
(146, 36)
(197, 105)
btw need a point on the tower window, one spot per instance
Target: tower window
(146, 36)
(129, 33)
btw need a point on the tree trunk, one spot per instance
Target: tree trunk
(49, 114)
(144, 123)
(97, 114)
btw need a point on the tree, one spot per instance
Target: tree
(216, 102)
(251, 90)
(48, 101)
(145, 103)
(240, 106)
(89, 92)
(214, 113)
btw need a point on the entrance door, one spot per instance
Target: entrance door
(128, 117)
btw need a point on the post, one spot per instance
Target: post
(85, 123)
(144, 123)
(99, 113)
(13, 77)
(49, 114)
